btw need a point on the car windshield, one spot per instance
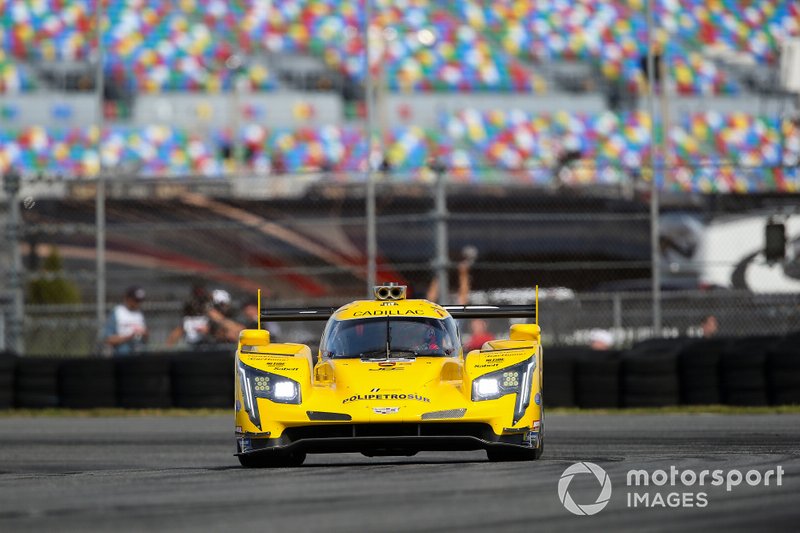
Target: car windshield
(390, 337)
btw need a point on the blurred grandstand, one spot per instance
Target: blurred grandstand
(235, 150)
(193, 85)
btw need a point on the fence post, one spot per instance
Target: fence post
(617, 311)
(654, 226)
(2, 330)
(369, 126)
(442, 260)
(100, 179)
(11, 184)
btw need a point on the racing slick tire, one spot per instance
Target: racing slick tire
(7, 368)
(743, 371)
(597, 379)
(272, 460)
(699, 373)
(143, 381)
(87, 383)
(502, 454)
(36, 383)
(559, 380)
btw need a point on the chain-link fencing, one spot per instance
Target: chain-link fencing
(301, 239)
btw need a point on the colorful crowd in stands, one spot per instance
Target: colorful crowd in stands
(612, 35)
(708, 151)
(199, 45)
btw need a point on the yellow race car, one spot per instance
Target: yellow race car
(390, 378)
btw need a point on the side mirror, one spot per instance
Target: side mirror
(451, 371)
(323, 373)
(251, 339)
(526, 332)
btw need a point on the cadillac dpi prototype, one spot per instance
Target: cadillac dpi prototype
(390, 378)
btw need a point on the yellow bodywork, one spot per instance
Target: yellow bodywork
(421, 390)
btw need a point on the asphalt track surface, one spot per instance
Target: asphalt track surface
(178, 474)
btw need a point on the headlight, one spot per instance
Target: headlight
(514, 379)
(260, 384)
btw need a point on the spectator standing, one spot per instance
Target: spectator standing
(194, 328)
(222, 328)
(125, 331)
(709, 326)
(249, 319)
(600, 339)
(479, 333)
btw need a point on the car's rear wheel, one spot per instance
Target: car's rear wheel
(272, 460)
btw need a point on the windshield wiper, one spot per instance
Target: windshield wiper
(401, 354)
(395, 354)
(373, 354)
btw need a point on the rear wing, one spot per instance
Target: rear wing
(288, 314)
(291, 314)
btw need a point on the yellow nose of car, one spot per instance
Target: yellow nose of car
(390, 378)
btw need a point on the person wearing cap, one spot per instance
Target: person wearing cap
(194, 328)
(125, 331)
(601, 339)
(222, 328)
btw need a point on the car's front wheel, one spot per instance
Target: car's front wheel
(272, 460)
(501, 454)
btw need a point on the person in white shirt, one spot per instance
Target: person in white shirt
(125, 331)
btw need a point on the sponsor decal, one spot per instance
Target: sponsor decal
(536, 425)
(385, 410)
(388, 312)
(538, 398)
(388, 304)
(370, 397)
(376, 389)
(533, 439)
(239, 429)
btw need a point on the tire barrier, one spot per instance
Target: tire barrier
(783, 371)
(597, 379)
(87, 383)
(664, 372)
(203, 380)
(7, 378)
(558, 387)
(743, 371)
(650, 379)
(699, 373)
(650, 373)
(36, 383)
(144, 382)
(658, 346)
